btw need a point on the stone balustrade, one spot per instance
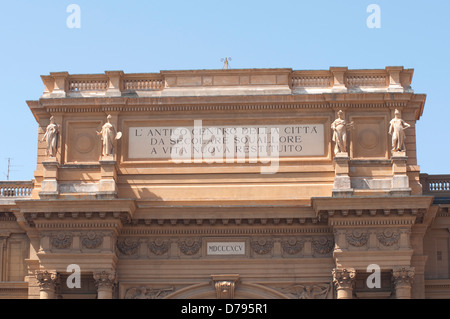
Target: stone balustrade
(16, 189)
(437, 185)
(334, 80)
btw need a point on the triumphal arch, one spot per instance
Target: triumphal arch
(233, 183)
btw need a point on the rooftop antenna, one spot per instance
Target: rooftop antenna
(8, 174)
(225, 62)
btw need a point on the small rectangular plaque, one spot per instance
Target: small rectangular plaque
(225, 248)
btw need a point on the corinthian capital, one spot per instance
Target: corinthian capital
(105, 279)
(403, 276)
(343, 278)
(46, 279)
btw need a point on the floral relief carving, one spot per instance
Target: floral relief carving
(47, 280)
(292, 245)
(147, 293)
(403, 276)
(91, 240)
(128, 246)
(308, 291)
(105, 279)
(357, 238)
(388, 237)
(61, 240)
(159, 247)
(261, 246)
(322, 245)
(190, 246)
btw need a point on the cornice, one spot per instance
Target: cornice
(368, 210)
(226, 103)
(69, 206)
(230, 230)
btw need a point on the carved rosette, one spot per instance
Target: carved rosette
(159, 247)
(262, 246)
(47, 280)
(148, 293)
(128, 246)
(388, 237)
(323, 245)
(104, 279)
(344, 278)
(357, 238)
(292, 245)
(190, 246)
(403, 277)
(91, 240)
(61, 240)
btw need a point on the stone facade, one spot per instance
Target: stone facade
(138, 219)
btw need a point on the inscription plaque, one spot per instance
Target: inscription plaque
(225, 248)
(223, 143)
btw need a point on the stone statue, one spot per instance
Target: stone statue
(108, 136)
(225, 62)
(340, 127)
(397, 130)
(51, 137)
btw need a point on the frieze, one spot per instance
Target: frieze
(148, 293)
(388, 237)
(292, 246)
(308, 291)
(91, 240)
(190, 246)
(159, 247)
(128, 246)
(357, 238)
(61, 240)
(322, 245)
(262, 246)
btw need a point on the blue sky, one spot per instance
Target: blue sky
(149, 36)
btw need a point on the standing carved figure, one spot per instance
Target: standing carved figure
(397, 130)
(340, 127)
(108, 135)
(51, 137)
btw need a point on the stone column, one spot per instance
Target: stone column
(403, 278)
(3, 238)
(343, 279)
(105, 282)
(47, 284)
